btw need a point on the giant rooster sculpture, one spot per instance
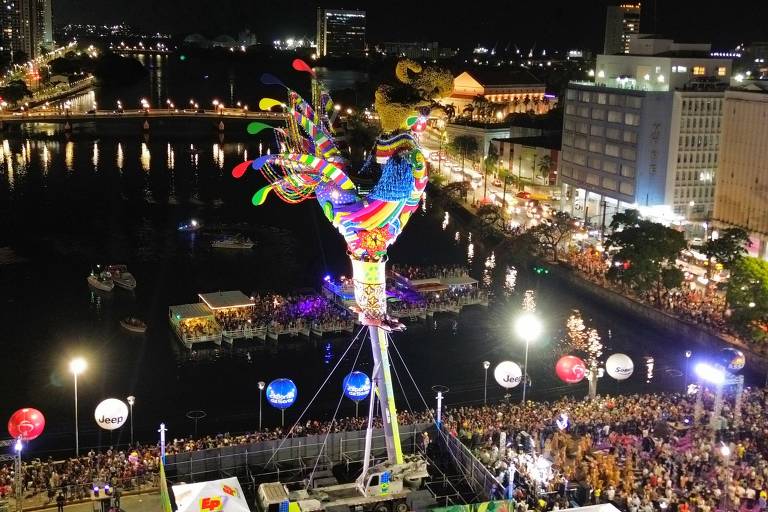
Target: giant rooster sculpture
(310, 164)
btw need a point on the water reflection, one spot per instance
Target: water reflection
(446, 219)
(95, 156)
(119, 158)
(145, 157)
(170, 160)
(69, 155)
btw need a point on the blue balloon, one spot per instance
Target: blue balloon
(357, 386)
(281, 393)
(270, 79)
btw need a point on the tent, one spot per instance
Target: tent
(223, 495)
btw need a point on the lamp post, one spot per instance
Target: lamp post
(528, 327)
(77, 366)
(725, 451)
(486, 365)
(262, 385)
(131, 401)
(688, 355)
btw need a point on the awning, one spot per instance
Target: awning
(431, 288)
(186, 311)
(459, 281)
(223, 495)
(223, 300)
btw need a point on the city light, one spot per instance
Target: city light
(77, 366)
(710, 373)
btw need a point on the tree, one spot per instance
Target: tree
(15, 91)
(545, 164)
(465, 145)
(457, 189)
(747, 296)
(728, 248)
(553, 231)
(646, 255)
(491, 164)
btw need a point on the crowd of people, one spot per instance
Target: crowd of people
(703, 306)
(412, 272)
(641, 452)
(46, 481)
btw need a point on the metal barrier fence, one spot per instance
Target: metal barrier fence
(479, 477)
(295, 453)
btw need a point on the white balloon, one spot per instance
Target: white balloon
(111, 414)
(508, 374)
(619, 366)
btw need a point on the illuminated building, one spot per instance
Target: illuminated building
(340, 33)
(742, 182)
(512, 91)
(25, 26)
(620, 22)
(646, 132)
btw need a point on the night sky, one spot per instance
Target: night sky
(558, 23)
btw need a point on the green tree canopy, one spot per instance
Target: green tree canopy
(747, 296)
(729, 247)
(646, 255)
(551, 232)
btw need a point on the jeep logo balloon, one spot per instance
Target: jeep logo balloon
(508, 374)
(111, 414)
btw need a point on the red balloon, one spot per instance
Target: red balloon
(26, 423)
(570, 369)
(300, 65)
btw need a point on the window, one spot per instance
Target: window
(594, 162)
(567, 139)
(598, 113)
(609, 183)
(567, 155)
(582, 127)
(615, 99)
(602, 98)
(584, 96)
(628, 154)
(580, 142)
(580, 158)
(373, 481)
(612, 149)
(593, 179)
(595, 146)
(630, 136)
(627, 171)
(699, 71)
(570, 124)
(583, 112)
(570, 109)
(634, 101)
(627, 188)
(613, 133)
(596, 130)
(614, 116)
(566, 170)
(721, 71)
(610, 166)
(631, 119)
(571, 94)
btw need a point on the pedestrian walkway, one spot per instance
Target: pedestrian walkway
(135, 503)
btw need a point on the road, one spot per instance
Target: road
(59, 116)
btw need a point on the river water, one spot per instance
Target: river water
(68, 203)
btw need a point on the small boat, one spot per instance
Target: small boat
(101, 281)
(121, 277)
(192, 226)
(233, 242)
(133, 325)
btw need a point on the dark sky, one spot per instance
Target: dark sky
(560, 23)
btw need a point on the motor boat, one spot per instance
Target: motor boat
(133, 325)
(233, 242)
(101, 281)
(193, 225)
(121, 277)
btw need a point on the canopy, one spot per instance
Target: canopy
(222, 300)
(430, 288)
(223, 495)
(459, 281)
(186, 311)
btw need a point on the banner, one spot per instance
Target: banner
(165, 498)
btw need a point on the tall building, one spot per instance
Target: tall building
(645, 133)
(742, 182)
(340, 33)
(621, 21)
(26, 26)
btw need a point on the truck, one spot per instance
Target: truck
(384, 487)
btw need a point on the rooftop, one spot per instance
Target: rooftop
(221, 300)
(185, 311)
(551, 141)
(497, 77)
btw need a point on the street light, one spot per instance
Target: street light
(262, 385)
(528, 327)
(131, 401)
(486, 365)
(725, 451)
(688, 355)
(77, 366)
